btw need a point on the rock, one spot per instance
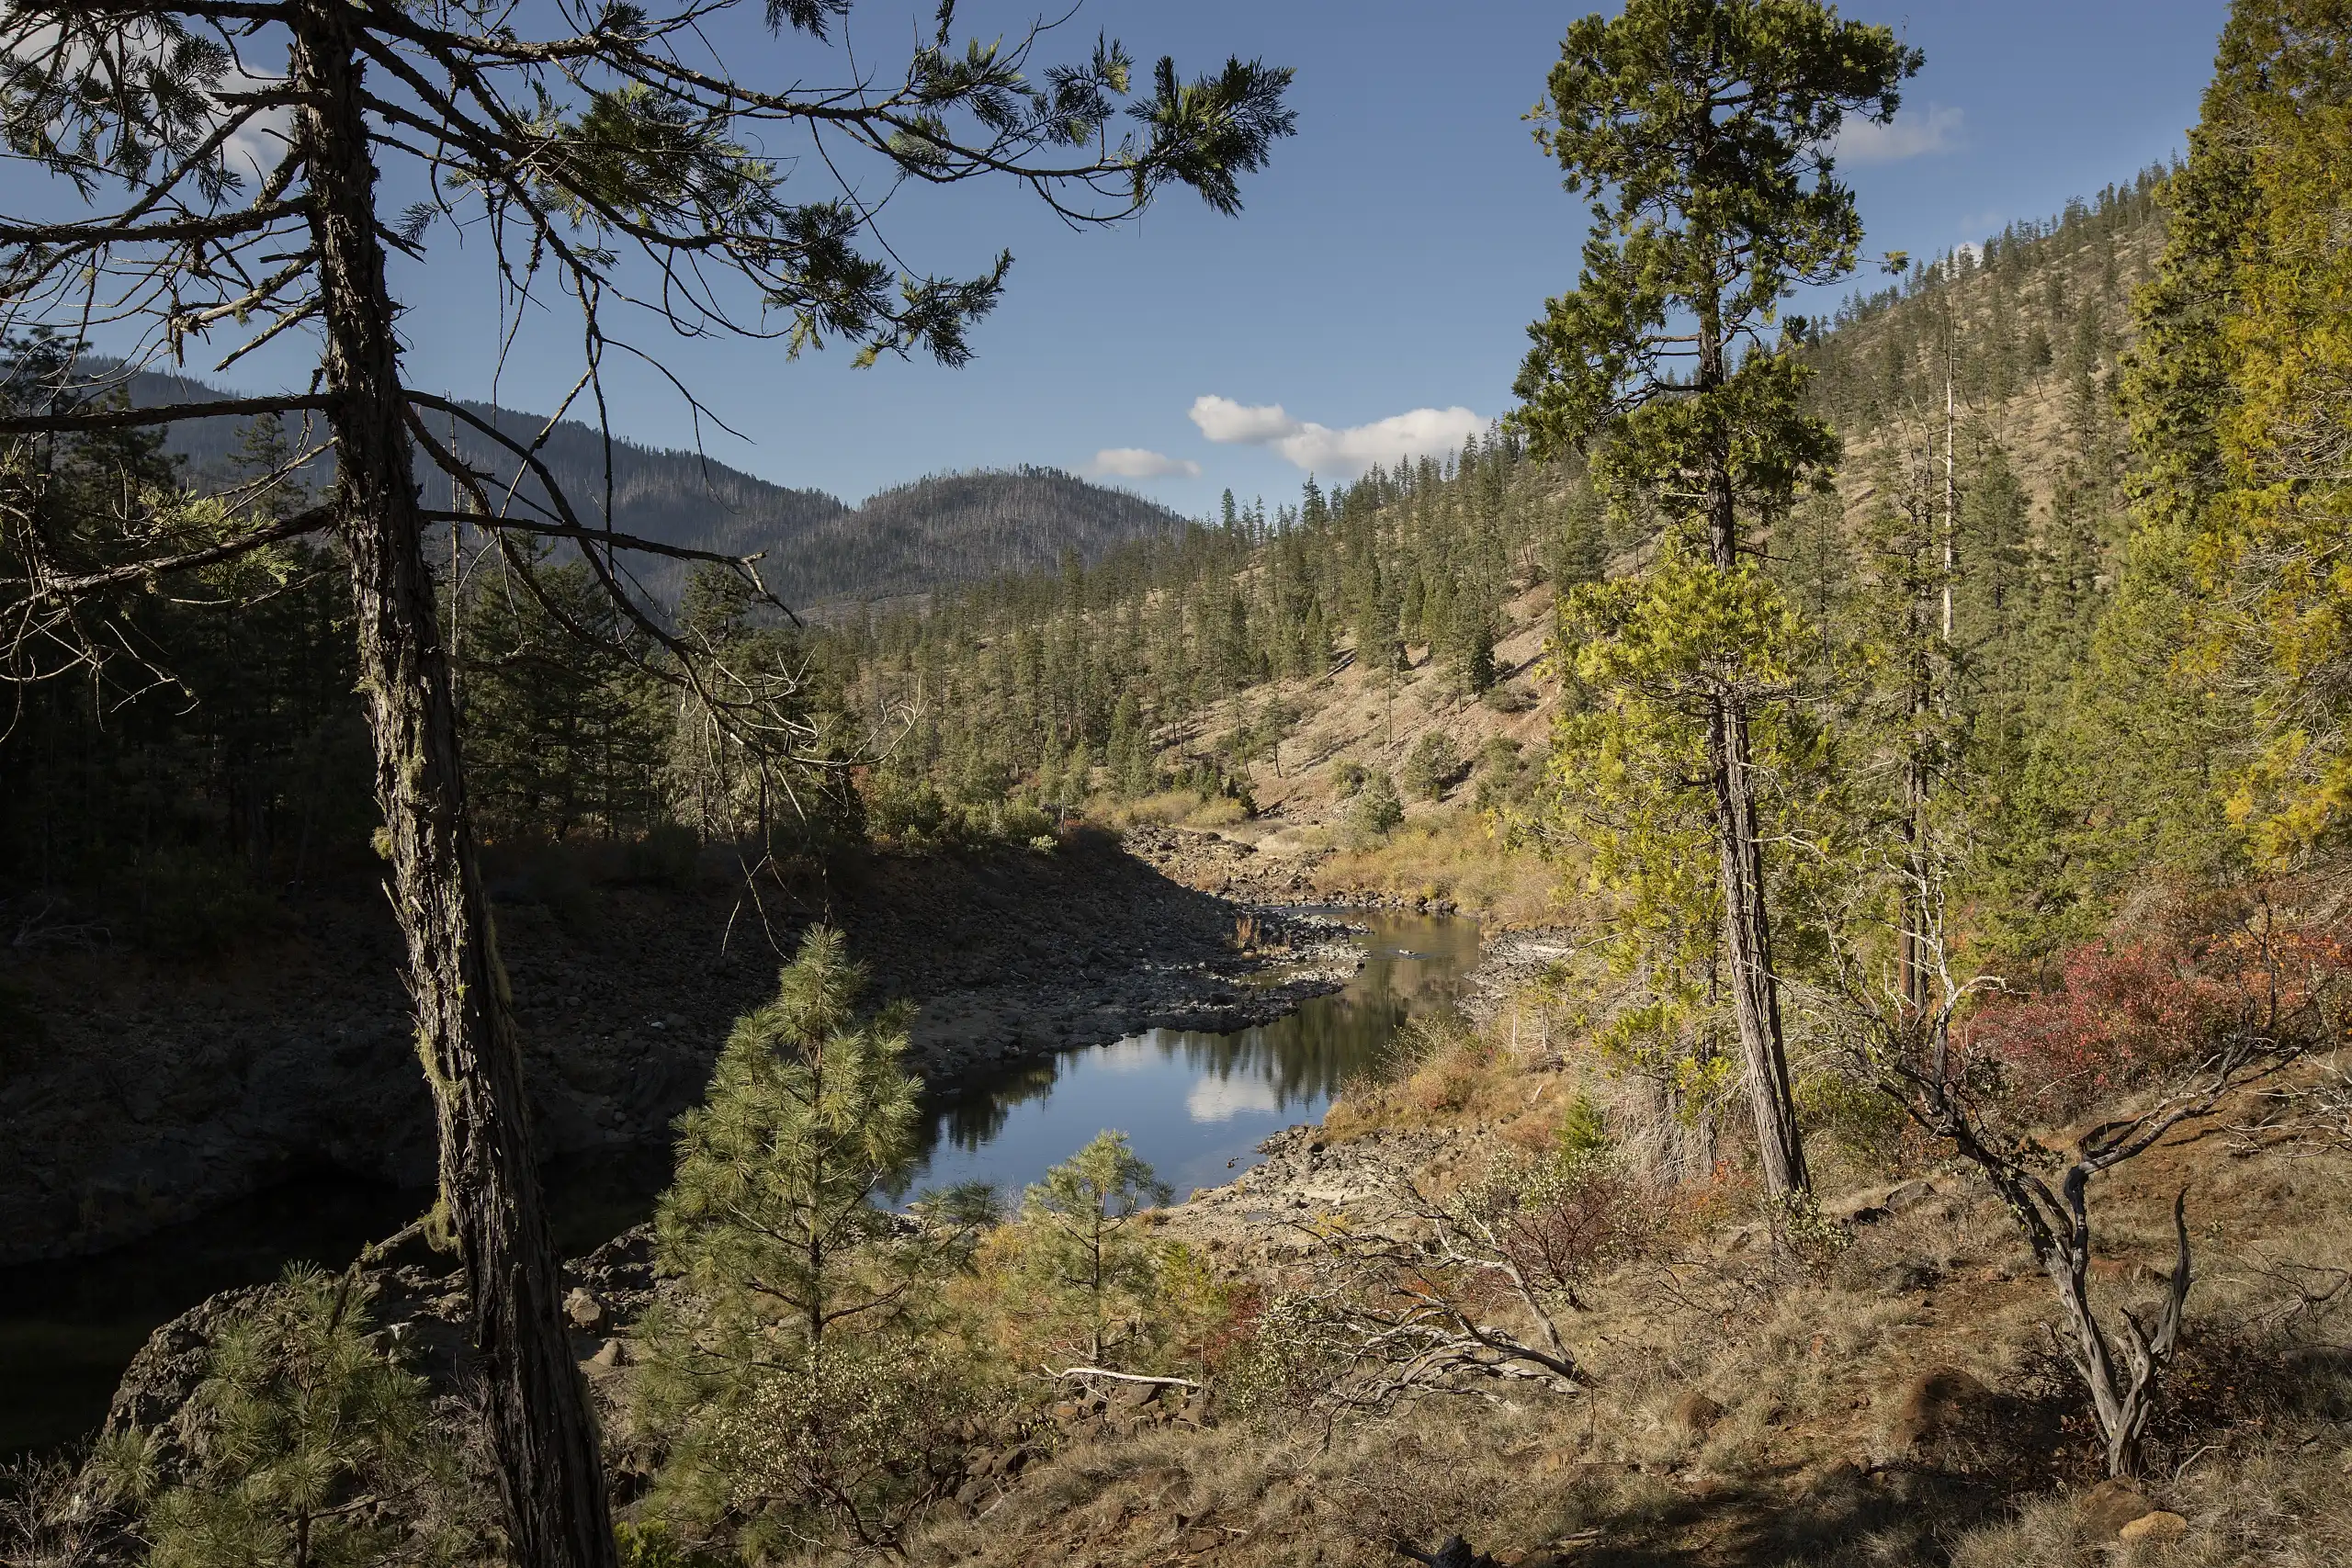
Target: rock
(612, 1353)
(1134, 1396)
(2111, 1505)
(1696, 1414)
(1943, 1402)
(1907, 1196)
(2157, 1525)
(586, 1312)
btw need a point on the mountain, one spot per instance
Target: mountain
(904, 541)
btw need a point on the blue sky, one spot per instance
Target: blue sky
(1387, 262)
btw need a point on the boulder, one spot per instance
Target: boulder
(586, 1312)
(1696, 1414)
(1943, 1402)
(1906, 1196)
(2111, 1505)
(2158, 1525)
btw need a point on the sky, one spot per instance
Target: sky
(1372, 296)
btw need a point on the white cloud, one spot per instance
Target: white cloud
(1140, 463)
(1223, 419)
(1343, 454)
(1906, 136)
(1221, 1100)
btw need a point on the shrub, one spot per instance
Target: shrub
(1503, 775)
(1433, 765)
(851, 1440)
(1378, 811)
(2118, 1013)
(1348, 776)
(802, 1394)
(1081, 1243)
(1510, 697)
(304, 1445)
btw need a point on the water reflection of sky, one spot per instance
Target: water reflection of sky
(1194, 1105)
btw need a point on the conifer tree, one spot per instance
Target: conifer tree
(305, 1446)
(1080, 1235)
(1699, 131)
(810, 1114)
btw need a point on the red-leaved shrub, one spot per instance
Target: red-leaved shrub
(2124, 1014)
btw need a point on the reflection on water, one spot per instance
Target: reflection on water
(1198, 1105)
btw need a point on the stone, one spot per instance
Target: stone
(1906, 1196)
(2111, 1505)
(2157, 1525)
(585, 1311)
(1942, 1403)
(610, 1354)
(1696, 1414)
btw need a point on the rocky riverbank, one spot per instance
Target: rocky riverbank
(163, 1088)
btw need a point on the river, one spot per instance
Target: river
(1194, 1105)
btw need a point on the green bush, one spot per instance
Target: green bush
(794, 1383)
(1433, 765)
(1378, 811)
(1348, 776)
(905, 810)
(303, 1446)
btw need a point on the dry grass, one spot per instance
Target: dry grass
(1799, 1460)
(1450, 854)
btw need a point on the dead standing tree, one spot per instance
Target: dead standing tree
(238, 155)
(1909, 1051)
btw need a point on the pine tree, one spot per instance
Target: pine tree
(1702, 232)
(1082, 1238)
(304, 1446)
(808, 1117)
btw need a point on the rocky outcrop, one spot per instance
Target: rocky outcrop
(164, 1089)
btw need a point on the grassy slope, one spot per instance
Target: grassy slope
(1805, 1457)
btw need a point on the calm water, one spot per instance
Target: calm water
(1194, 1105)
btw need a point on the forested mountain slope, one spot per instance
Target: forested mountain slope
(908, 539)
(1974, 403)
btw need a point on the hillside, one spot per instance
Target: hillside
(1275, 663)
(905, 540)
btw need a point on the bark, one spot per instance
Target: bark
(1748, 921)
(537, 1407)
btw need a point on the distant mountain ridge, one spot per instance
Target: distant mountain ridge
(902, 541)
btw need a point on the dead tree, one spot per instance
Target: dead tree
(1422, 1298)
(1908, 1051)
(221, 169)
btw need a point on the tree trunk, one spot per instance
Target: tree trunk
(1748, 944)
(1748, 921)
(539, 1424)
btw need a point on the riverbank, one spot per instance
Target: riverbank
(164, 1089)
(1188, 1099)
